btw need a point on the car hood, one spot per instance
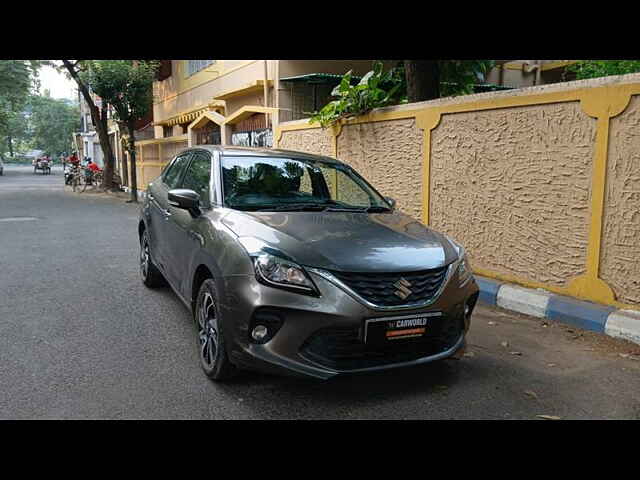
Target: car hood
(347, 241)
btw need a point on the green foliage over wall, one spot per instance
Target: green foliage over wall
(603, 68)
(380, 89)
(376, 89)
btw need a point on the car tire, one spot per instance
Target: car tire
(212, 346)
(150, 274)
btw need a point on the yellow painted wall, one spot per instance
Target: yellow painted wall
(153, 155)
(542, 184)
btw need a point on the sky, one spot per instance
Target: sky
(57, 83)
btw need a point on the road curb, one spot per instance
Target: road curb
(541, 303)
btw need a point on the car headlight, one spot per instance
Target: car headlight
(280, 272)
(273, 269)
(464, 267)
(464, 270)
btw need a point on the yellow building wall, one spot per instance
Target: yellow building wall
(541, 185)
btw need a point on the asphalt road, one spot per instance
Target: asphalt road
(82, 338)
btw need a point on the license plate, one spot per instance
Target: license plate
(386, 330)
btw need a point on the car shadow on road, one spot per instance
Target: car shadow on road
(388, 385)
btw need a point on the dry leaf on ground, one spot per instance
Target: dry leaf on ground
(549, 417)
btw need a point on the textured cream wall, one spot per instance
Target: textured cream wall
(389, 155)
(513, 185)
(620, 261)
(312, 140)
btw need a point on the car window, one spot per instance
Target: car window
(344, 189)
(173, 175)
(198, 176)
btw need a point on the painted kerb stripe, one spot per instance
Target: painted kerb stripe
(586, 315)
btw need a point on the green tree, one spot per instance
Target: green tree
(430, 79)
(52, 123)
(17, 133)
(76, 69)
(603, 68)
(126, 85)
(18, 78)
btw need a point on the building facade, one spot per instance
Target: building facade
(529, 73)
(233, 102)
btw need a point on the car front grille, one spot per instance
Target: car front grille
(344, 348)
(380, 288)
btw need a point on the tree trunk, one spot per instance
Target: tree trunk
(132, 155)
(10, 146)
(101, 126)
(125, 155)
(423, 80)
(107, 179)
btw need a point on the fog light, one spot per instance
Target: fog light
(259, 333)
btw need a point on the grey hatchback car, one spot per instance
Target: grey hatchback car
(293, 263)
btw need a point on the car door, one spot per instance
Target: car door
(159, 208)
(185, 233)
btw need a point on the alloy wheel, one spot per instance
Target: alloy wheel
(207, 330)
(144, 257)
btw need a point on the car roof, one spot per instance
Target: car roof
(263, 152)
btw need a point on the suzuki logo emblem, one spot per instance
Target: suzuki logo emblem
(403, 290)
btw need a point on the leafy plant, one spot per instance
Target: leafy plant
(376, 89)
(603, 68)
(380, 89)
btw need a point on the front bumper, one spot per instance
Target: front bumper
(323, 337)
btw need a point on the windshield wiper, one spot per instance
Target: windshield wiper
(377, 209)
(372, 209)
(345, 209)
(314, 207)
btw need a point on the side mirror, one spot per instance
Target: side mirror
(391, 202)
(185, 199)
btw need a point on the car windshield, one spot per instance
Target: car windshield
(281, 184)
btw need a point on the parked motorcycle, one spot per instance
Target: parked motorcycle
(68, 173)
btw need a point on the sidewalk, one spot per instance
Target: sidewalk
(624, 324)
(93, 191)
